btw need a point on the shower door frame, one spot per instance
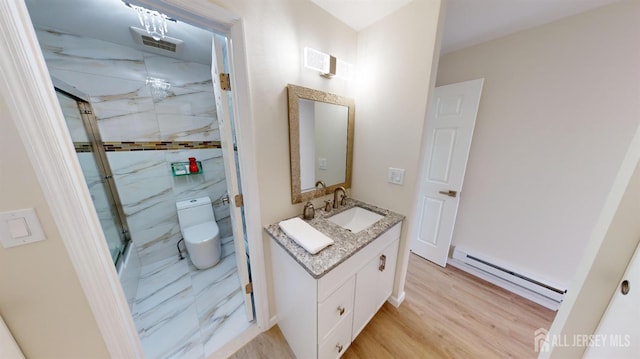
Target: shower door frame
(29, 96)
(90, 123)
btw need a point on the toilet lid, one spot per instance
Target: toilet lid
(201, 232)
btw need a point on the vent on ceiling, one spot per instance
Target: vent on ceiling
(164, 46)
(160, 44)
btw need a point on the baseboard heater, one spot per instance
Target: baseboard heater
(548, 295)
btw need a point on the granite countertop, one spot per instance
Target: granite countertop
(346, 243)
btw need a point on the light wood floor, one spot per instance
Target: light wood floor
(447, 314)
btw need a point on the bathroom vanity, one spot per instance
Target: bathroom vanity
(325, 300)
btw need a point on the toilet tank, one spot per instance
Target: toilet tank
(195, 211)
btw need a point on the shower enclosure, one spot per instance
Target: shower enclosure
(97, 173)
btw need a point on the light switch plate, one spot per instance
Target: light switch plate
(322, 163)
(20, 227)
(396, 176)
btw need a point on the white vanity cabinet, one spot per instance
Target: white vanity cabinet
(374, 284)
(321, 317)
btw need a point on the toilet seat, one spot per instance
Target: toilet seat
(201, 232)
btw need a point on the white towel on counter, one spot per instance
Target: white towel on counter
(312, 240)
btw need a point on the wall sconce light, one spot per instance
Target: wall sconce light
(328, 65)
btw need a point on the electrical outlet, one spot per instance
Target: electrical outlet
(396, 176)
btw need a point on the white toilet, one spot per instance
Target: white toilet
(200, 231)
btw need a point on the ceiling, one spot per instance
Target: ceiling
(468, 22)
(359, 14)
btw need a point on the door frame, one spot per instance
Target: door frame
(28, 90)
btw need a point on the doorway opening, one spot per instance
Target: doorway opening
(142, 130)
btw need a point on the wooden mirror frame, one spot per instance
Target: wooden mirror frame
(294, 94)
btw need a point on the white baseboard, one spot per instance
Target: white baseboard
(396, 301)
(523, 292)
(272, 321)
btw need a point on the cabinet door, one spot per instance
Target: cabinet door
(374, 284)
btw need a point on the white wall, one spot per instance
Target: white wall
(41, 300)
(395, 58)
(557, 113)
(276, 34)
(393, 64)
(331, 123)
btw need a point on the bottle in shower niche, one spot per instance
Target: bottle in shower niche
(193, 166)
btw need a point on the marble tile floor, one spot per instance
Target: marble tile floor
(183, 312)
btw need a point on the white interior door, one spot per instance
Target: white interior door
(227, 138)
(449, 128)
(618, 334)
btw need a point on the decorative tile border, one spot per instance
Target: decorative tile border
(82, 147)
(128, 146)
(159, 146)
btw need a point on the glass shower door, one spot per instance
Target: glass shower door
(96, 172)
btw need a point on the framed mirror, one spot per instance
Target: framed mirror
(320, 141)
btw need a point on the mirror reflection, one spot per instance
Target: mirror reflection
(321, 142)
(323, 139)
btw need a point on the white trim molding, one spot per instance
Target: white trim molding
(27, 88)
(412, 222)
(397, 300)
(245, 136)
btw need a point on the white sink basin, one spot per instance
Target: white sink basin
(355, 219)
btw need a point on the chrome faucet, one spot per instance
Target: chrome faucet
(336, 200)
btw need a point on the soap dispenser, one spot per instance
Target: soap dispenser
(309, 212)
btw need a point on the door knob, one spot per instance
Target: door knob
(449, 193)
(624, 287)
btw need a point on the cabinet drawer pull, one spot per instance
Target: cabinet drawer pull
(383, 262)
(341, 310)
(339, 347)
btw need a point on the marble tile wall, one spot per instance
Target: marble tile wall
(114, 77)
(149, 193)
(179, 311)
